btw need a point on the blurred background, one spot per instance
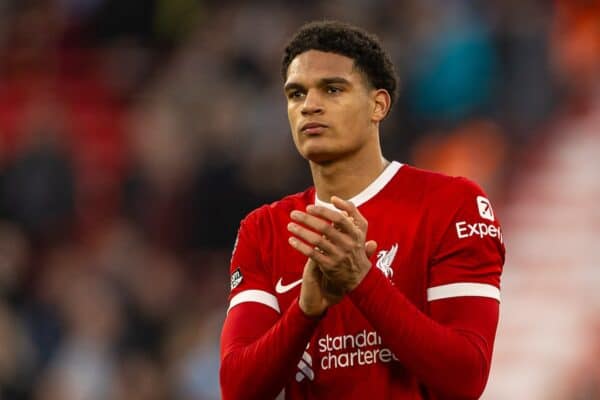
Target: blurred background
(135, 134)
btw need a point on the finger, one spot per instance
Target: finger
(311, 269)
(312, 238)
(370, 248)
(348, 216)
(321, 226)
(350, 208)
(311, 264)
(340, 220)
(308, 251)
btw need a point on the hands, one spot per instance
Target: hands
(337, 250)
(316, 292)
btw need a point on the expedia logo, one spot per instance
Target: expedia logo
(465, 230)
(485, 208)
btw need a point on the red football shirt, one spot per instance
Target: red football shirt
(420, 325)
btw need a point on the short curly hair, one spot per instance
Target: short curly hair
(347, 40)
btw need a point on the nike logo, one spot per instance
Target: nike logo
(281, 288)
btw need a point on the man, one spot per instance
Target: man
(382, 280)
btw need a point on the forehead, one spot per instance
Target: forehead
(314, 64)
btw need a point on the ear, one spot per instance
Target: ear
(383, 102)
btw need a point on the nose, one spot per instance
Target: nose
(312, 103)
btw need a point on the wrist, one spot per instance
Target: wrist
(310, 311)
(371, 282)
(360, 277)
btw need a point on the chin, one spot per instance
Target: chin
(320, 154)
(320, 157)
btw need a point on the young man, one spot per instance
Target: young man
(382, 280)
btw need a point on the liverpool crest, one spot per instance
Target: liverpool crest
(385, 259)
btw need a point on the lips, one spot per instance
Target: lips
(313, 128)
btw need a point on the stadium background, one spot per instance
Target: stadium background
(135, 134)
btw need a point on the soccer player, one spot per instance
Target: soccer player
(382, 280)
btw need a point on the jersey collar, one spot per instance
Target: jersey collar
(370, 191)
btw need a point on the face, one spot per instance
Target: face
(332, 111)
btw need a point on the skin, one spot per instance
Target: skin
(344, 154)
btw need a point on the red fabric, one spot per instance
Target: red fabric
(450, 352)
(259, 350)
(386, 340)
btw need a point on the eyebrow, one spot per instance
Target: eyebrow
(322, 82)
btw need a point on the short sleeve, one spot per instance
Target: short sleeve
(470, 253)
(250, 281)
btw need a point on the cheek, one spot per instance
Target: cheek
(292, 113)
(292, 119)
(357, 116)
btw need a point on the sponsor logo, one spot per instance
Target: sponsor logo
(236, 278)
(344, 351)
(385, 259)
(465, 230)
(305, 367)
(281, 288)
(485, 208)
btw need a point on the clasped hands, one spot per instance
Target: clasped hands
(337, 250)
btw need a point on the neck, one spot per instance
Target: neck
(347, 176)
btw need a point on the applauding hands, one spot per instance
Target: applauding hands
(337, 250)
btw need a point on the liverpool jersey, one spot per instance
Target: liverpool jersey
(423, 317)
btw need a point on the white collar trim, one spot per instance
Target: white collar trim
(370, 191)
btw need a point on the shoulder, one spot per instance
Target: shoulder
(439, 188)
(434, 182)
(269, 214)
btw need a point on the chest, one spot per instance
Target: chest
(402, 255)
(345, 345)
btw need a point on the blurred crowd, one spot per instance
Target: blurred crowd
(134, 135)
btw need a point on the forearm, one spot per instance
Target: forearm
(256, 365)
(451, 361)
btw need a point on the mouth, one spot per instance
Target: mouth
(313, 128)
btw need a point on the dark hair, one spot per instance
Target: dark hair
(347, 40)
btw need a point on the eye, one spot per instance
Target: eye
(295, 94)
(333, 90)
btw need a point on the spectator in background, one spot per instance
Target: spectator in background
(40, 186)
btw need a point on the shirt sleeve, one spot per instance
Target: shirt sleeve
(259, 350)
(250, 280)
(449, 351)
(449, 346)
(260, 344)
(470, 252)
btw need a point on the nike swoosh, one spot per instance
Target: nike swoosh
(281, 288)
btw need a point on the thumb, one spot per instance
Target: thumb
(311, 271)
(370, 248)
(310, 266)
